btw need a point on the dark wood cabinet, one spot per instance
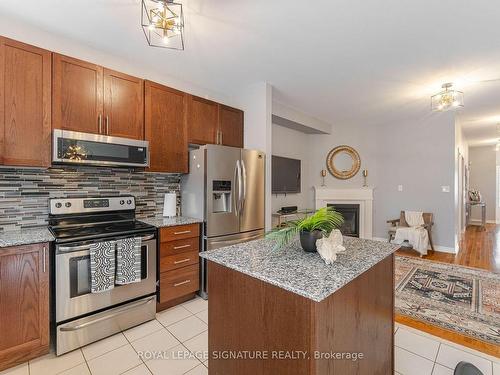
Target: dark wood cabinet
(25, 80)
(24, 303)
(77, 95)
(123, 105)
(179, 264)
(202, 120)
(230, 126)
(165, 128)
(91, 99)
(209, 122)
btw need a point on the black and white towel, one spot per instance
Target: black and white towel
(102, 266)
(128, 261)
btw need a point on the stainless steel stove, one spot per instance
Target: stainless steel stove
(83, 317)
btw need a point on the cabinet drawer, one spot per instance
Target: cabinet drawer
(179, 246)
(179, 282)
(179, 232)
(172, 262)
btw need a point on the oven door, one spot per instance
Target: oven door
(73, 296)
(84, 148)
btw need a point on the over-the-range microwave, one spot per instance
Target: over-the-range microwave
(94, 149)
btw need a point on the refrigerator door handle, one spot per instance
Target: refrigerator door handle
(244, 186)
(236, 201)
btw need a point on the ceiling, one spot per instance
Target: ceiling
(342, 61)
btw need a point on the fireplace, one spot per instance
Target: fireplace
(350, 212)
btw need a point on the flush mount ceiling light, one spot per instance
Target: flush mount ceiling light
(447, 99)
(163, 23)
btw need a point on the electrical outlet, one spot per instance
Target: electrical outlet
(445, 189)
(400, 187)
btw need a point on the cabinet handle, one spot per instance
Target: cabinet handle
(107, 125)
(182, 283)
(182, 261)
(182, 232)
(99, 123)
(220, 137)
(44, 256)
(217, 141)
(181, 247)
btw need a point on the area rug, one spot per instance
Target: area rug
(459, 299)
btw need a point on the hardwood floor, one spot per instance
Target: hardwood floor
(479, 248)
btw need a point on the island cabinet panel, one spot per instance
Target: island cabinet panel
(358, 318)
(230, 126)
(248, 315)
(179, 264)
(25, 95)
(165, 128)
(24, 303)
(123, 105)
(77, 95)
(202, 120)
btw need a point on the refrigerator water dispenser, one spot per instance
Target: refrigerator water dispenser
(221, 196)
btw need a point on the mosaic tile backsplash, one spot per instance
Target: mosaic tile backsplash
(24, 193)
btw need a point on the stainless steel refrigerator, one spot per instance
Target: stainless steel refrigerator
(225, 188)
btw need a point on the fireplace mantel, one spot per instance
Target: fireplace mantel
(362, 196)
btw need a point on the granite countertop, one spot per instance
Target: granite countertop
(160, 221)
(25, 237)
(297, 271)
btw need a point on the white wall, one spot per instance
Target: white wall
(256, 101)
(292, 144)
(418, 153)
(483, 178)
(460, 192)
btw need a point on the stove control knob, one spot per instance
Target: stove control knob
(67, 204)
(129, 201)
(122, 202)
(58, 205)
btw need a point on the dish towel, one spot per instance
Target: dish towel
(329, 247)
(415, 233)
(128, 260)
(102, 266)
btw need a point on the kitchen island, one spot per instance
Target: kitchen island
(287, 312)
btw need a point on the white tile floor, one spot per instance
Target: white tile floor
(183, 329)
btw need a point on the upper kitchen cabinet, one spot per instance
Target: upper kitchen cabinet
(202, 120)
(165, 118)
(77, 95)
(230, 126)
(91, 99)
(123, 105)
(25, 80)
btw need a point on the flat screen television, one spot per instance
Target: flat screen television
(286, 175)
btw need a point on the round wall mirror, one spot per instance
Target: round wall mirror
(343, 162)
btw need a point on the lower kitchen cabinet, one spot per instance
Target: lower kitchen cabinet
(24, 303)
(178, 264)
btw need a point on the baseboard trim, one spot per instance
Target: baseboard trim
(443, 249)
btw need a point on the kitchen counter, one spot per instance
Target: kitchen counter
(297, 313)
(161, 222)
(297, 271)
(25, 237)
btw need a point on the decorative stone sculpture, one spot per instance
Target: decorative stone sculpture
(328, 247)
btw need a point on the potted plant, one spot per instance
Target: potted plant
(310, 229)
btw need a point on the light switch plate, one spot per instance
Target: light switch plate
(400, 187)
(445, 189)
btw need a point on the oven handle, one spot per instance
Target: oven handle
(85, 247)
(114, 312)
